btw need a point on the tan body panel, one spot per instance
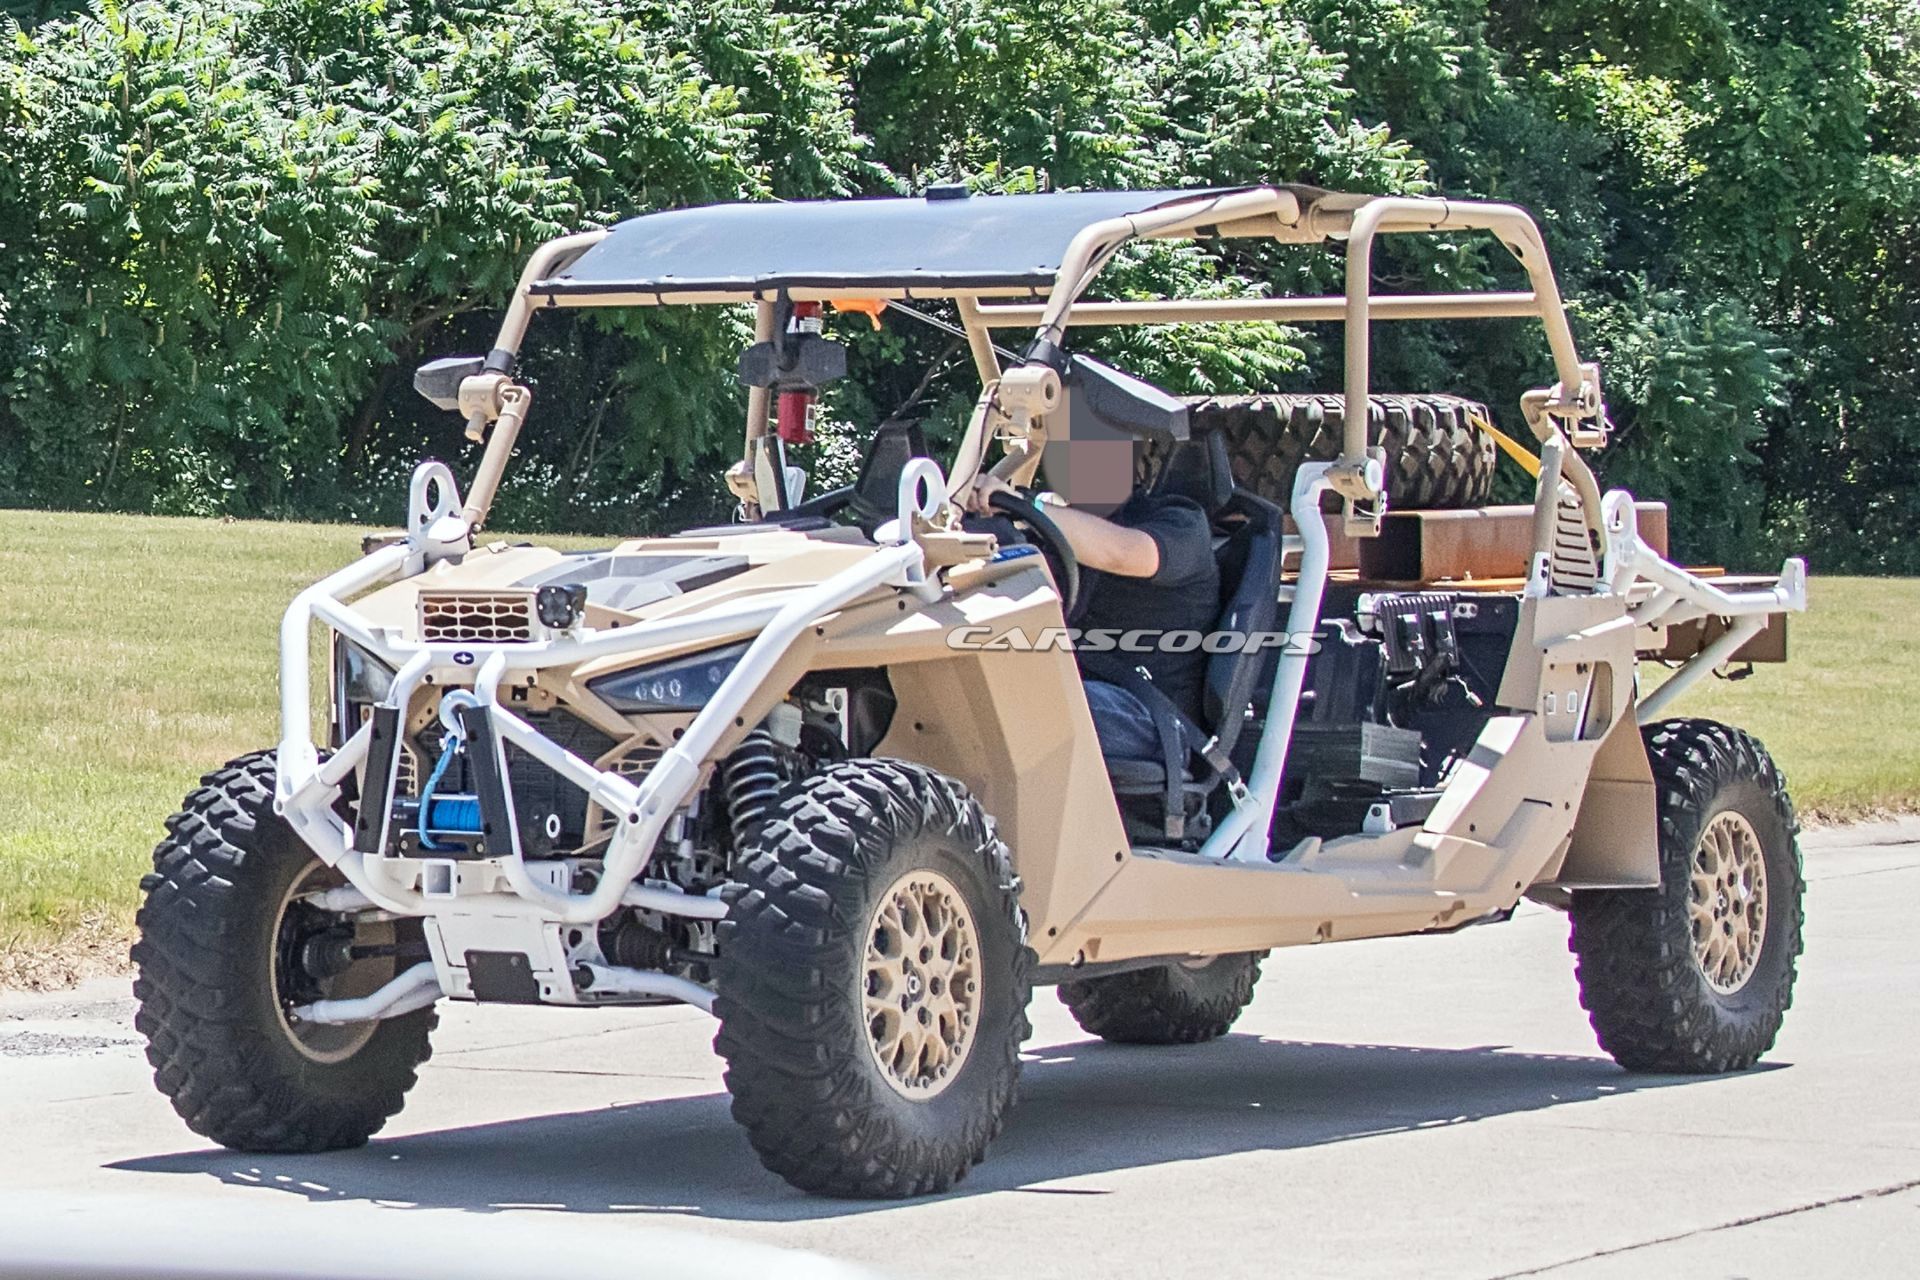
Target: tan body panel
(1507, 821)
(1519, 813)
(1615, 840)
(491, 567)
(1013, 726)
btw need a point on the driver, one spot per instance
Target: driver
(1147, 565)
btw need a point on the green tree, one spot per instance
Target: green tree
(230, 228)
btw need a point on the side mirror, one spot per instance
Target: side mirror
(439, 380)
(807, 362)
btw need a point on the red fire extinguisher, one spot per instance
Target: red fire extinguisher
(795, 415)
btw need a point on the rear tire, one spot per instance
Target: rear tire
(219, 932)
(872, 983)
(1696, 976)
(1182, 1003)
(1436, 458)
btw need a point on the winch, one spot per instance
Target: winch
(453, 823)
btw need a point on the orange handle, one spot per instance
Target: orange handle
(868, 307)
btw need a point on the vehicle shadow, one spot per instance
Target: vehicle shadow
(1086, 1108)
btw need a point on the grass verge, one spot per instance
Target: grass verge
(1834, 714)
(135, 654)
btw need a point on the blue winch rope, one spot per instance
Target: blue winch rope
(447, 750)
(456, 813)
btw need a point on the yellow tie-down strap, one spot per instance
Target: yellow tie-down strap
(1508, 445)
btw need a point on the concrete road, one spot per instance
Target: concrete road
(1431, 1106)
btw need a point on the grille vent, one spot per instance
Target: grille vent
(477, 617)
(633, 764)
(638, 761)
(1576, 570)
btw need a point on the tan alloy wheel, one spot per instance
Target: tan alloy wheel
(321, 1042)
(1728, 902)
(922, 983)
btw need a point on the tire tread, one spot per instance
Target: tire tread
(1436, 458)
(1639, 982)
(798, 1087)
(195, 974)
(1164, 1004)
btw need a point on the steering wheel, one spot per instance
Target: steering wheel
(1029, 513)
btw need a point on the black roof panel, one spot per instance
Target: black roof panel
(973, 242)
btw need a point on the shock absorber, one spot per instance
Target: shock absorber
(754, 776)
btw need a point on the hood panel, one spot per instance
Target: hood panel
(629, 582)
(634, 581)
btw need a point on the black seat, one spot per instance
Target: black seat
(873, 498)
(876, 492)
(1248, 553)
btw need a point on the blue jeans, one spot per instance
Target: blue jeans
(1122, 723)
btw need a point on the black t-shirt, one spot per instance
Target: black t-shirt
(1182, 595)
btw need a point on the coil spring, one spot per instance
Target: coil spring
(754, 778)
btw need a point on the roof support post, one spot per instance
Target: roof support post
(1089, 250)
(755, 479)
(514, 400)
(979, 339)
(550, 257)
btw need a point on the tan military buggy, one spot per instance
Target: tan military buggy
(830, 774)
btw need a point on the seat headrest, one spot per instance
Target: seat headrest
(876, 493)
(1198, 469)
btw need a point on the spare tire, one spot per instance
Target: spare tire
(1436, 458)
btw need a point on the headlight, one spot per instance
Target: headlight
(679, 684)
(360, 676)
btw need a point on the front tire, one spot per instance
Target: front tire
(1183, 1003)
(872, 983)
(1696, 976)
(225, 938)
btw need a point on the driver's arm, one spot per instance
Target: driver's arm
(1097, 543)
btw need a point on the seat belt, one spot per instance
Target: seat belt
(1180, 738)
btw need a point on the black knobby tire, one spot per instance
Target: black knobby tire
(1643, 980)
(220, 1047)
(1182, 1003)
(1436, 458)
(792, 982)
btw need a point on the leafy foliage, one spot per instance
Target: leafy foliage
(229, 228)
(244, 217)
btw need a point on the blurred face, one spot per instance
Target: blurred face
(1095, 476)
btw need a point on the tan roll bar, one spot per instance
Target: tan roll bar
(493, 397)
(1575, 399)
(1287, 214)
